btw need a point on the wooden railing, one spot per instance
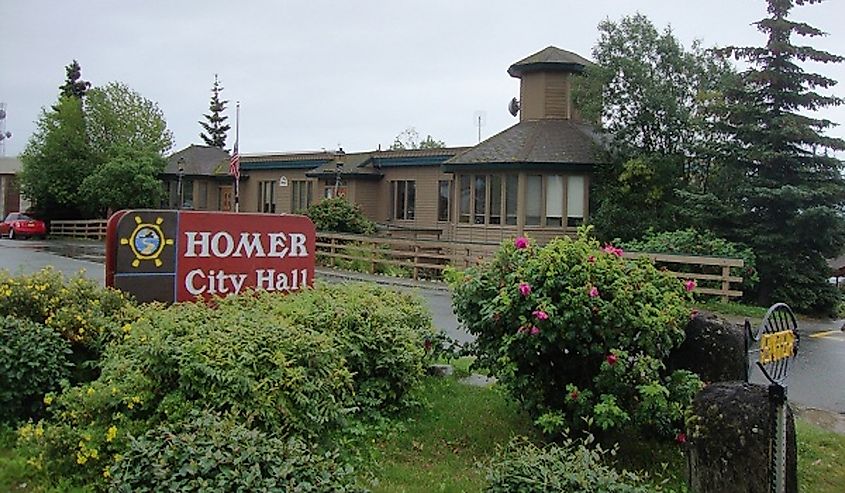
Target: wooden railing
(427, 259)
(721, 265)
(92, 228)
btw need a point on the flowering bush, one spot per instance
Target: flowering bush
(578, 334)
(83, 313)
(33, 361)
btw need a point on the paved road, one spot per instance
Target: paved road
(817, 378)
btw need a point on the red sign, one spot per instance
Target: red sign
(182, 255)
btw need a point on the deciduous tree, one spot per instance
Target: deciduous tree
(410, 139)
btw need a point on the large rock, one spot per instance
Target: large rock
(714, 348)
(729, 440)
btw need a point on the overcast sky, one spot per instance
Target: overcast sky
(318, 74)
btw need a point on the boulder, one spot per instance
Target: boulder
(714, 348)
(729, 440)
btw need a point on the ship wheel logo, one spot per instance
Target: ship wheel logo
(147, 241)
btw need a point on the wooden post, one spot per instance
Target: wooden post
(332, 250)
(416, 261)
(726, 283)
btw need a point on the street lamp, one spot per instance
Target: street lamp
(338, 169)
(179, 191)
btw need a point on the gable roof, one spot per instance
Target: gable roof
(540, 142)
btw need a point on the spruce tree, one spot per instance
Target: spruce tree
(215, 127)
(786, 190)
(74, 86)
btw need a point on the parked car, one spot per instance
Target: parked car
(19, 225)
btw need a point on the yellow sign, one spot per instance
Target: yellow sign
(777, 346)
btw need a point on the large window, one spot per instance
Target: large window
(466, 194)
(511, 194)
(202, 198)
(301, 195)
(575, 201)
(480, 193)
(533, 199)
(187, 193)
(444, 193)
(495, 201)
(404, 195)
(554, 201)
(267, 196)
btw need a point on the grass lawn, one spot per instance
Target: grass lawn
(821, 459)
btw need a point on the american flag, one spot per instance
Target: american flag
(235, 163)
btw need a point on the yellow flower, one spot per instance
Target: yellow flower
(39, 430)
(136, 399)
(90, 391)
(81, 458)
(111, 433)
(127, 328)
(48, 399)
(106, 473)
(93, 453)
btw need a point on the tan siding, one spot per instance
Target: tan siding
(557, 96)
(426, 181)
(368, 195)
(531, 96)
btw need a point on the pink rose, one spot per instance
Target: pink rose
(594, 292)
(690, 285)
(591, 259)
(608, 248)
(540, 315)
(520, 242)
(534, 330)
(524, 288)
(681, 438)
(611, 359)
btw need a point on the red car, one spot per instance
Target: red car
(18, 225)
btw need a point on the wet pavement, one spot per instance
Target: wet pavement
(816, 378)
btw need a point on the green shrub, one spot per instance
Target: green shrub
(559, 325)
(380, 332)
(34, 359)
(212, 454)
(236, 358)
(84, 313)
(701, 243)
(572, 467)
(339, 216)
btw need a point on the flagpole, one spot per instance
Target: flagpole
(237, 139)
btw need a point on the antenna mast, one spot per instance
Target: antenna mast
(4, 135)
(480, 120)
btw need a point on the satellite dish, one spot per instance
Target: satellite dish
(513, 107)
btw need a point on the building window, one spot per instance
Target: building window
(511, 194)
(466, 194)
(267, 196)
(202, 199)
(554, 201)
(329, 190)
(445, 191)
(495, 202)
(404, 194)
(533, 199)
(575, 201)
(301, 195)
(187, 194)
(480, 191)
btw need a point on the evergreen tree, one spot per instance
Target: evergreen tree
(782, 192)
(215, 127)
(74, 86)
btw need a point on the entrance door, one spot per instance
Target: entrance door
(226, 197)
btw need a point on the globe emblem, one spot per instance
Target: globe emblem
(147, 241)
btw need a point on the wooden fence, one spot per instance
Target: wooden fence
(423, 259)
(94, 229)
(427, 259)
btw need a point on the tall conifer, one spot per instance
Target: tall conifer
(215, 125)
(783, 193)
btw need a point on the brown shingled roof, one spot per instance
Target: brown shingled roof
(541, 141)
(199, 160)
(549, 58)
